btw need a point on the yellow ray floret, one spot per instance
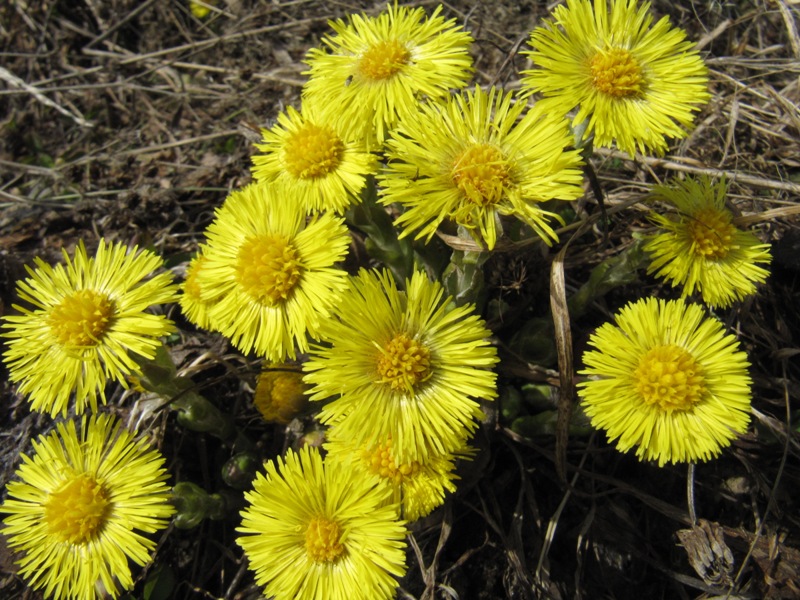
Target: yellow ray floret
(311, 156)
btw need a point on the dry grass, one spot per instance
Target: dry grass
(132, 120)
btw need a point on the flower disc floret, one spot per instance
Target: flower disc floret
(668, 381)
(76, 512)
(383, 59)
(312, 151)
(268, 269)
(81, 319)
(615, 72)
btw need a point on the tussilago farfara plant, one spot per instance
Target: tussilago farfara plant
(395, 360)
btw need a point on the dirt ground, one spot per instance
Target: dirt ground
(132, 120)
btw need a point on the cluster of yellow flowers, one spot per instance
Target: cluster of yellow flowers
(398, 367)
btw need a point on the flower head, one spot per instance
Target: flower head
(315, 531)
(201, 8)
(475, 158)
(633, 82)
(419, 486)
(271, 274)
(375, 70)
(700, 248)
(309, 154)
(88, 317)
(667, 380)
(406, 366)
(81, 506)
(280, 393)
(191, 300)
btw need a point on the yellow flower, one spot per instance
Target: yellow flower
(377, 69)
(700, 248)
(317, 531)
(419, 485)
(667, 380)
(634, 82)
(88, 317)
(406, 366)
(280, 393)
(270, 273)
(81, 507)
(201, 8)
(476, 158)
(192, 304)
(308, 154)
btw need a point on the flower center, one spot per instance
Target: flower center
(268, 268)
(312, 152)
(323, 540)
(481, 172)
(712, 233)
(81, 319)
(404, 363)
(616, 73)
(76, 512)
(379, 461)
(670, 377)
(382, 60)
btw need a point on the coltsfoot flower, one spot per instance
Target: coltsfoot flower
(310, 155)
(315, 531)
(420, 486)
(633, 83)
(281, 393)
(88, 318)
(191, 300)
(699, 248)
(476, 157)
(406, 366)
(376, 70)
(271, 274)
(667, 380)
(81, 508)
